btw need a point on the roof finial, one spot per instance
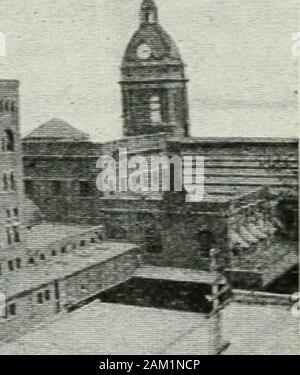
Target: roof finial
(149, 12)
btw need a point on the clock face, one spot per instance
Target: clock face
(143, 52)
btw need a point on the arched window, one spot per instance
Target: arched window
(5, 182)
(152, 17)
(8, 236)
(207, 242)
(16, 234)
(12, 181)
(8, 142)
(155, 110)
(7, 105)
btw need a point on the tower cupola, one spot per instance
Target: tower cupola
(153, 80)
(148, 12)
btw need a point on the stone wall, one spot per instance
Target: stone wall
(11, 184)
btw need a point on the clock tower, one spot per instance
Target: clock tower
(154, 91)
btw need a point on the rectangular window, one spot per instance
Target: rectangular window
(29, 187)
(12, 309)
(153, 241)
(56, 187)
(5, 182)
(16, 213)
(16, 234)
(10, 265)
(18, 263)
(84, 188)
(8, 236)
(40, 298)
(47, 295)
(12, 181)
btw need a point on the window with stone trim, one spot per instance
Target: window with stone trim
(155, 110)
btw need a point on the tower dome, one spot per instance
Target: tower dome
(151, 43)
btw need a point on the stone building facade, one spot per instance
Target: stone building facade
(65, 241)
(246, 180)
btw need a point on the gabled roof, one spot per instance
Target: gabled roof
(57, 129)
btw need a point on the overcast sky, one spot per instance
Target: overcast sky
(66, 53)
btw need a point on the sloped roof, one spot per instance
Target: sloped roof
(31, 212)
(57, 129)
(163, 48)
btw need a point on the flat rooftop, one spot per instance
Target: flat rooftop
(176, 274)
(61, 267)
(228, 140)
(42, 235)
(110, 329)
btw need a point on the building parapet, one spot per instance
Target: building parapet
(261, 298)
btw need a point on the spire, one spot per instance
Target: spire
(149, 12)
